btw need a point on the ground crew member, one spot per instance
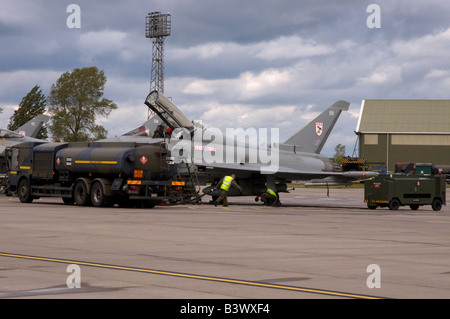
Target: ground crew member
(225, 184)
(270, 198)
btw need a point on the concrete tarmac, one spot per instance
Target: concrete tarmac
(315, 246)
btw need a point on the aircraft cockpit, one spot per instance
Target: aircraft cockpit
(168, 112)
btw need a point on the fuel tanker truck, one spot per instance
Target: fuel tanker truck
(99, 174)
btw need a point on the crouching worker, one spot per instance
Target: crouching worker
(270, 198)
(225, 184)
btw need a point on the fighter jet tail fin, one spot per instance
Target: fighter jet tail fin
(147, 128)
(313, 136)
(31, 128)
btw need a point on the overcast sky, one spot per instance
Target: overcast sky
(234, 63)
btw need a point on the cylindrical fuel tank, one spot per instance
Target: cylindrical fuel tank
(111, 158)
(98, 159)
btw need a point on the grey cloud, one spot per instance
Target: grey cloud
(287, 56)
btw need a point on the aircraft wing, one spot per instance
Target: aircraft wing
(331, 177)
(284, 173)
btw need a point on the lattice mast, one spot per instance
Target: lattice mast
(157, 27)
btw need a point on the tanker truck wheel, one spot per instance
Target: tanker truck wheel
(394, 204)
(98, 197)
(24, 191)
(80, 194)
(437, 204)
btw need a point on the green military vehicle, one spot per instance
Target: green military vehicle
(395, 190)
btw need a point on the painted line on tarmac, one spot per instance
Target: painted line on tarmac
(192, 276)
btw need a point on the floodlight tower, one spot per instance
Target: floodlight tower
(157, 27)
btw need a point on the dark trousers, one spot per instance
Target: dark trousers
(223, 196)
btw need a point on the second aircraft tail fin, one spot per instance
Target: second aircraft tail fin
(32, 127)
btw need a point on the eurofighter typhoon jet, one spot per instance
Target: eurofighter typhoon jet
(257, 166)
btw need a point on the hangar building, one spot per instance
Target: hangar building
(401, 131)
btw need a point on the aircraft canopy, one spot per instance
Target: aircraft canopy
(167, 111)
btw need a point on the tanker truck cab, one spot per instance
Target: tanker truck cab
(19, 176)
(32, 167)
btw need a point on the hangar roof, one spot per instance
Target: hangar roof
(404, 116)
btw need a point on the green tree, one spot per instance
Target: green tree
(339, 153)
(75, 100)
(32, 105)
